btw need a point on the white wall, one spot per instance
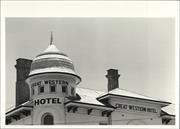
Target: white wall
(125, 118)
(57, 110)
(135, 117)
(82, 118)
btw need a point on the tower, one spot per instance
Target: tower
(51, 80)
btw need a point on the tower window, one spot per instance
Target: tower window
(72, 91)
(52, 88)
(41, 89)
(64, 88)
(47, 119)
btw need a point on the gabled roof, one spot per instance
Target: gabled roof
(170, 109)
(90, 96)
(124, 93)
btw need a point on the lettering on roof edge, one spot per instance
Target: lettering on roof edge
(135, 108)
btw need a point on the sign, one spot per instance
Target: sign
(50, 82)
(46, 101)
(136, 108)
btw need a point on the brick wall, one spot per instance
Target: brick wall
(22, 89)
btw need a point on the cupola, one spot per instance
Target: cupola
(52, 60)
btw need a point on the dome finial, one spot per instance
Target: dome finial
(51, 41)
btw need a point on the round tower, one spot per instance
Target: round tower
(52, 78)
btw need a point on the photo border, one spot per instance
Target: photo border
(150, 9)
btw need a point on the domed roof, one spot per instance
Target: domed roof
(53, 61)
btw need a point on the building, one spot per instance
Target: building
(168, 114)
(47, 93)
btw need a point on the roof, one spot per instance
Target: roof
(88, 95)
(53, 56)
(51, 61)
(51, 49)
(25, 105)
(125, 93)
(91, 96)
(170, 109)
(52, 69)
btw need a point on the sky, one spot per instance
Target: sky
(142, 49)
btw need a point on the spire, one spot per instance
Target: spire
(51, 41)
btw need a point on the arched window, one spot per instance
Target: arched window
(47, 119)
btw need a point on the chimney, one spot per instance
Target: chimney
(112, 76)
(22, 89)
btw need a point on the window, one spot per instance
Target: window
(52, 88)
(72, 91)
(47, 119)
(41, 89)
(64, 88)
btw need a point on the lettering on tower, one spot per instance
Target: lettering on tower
(43, 101)
(49, 82)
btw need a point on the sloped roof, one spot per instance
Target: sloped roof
(170, 109)
(27, 104)
(88, 95)
(123, 92)
(92, 96)
(126, 93)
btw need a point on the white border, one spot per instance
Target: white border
(89, 9)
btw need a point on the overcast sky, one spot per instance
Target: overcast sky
(142, 49)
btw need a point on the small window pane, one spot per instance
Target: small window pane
(41, 89)
(72, 91)
(64, 88)
(53, 88)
